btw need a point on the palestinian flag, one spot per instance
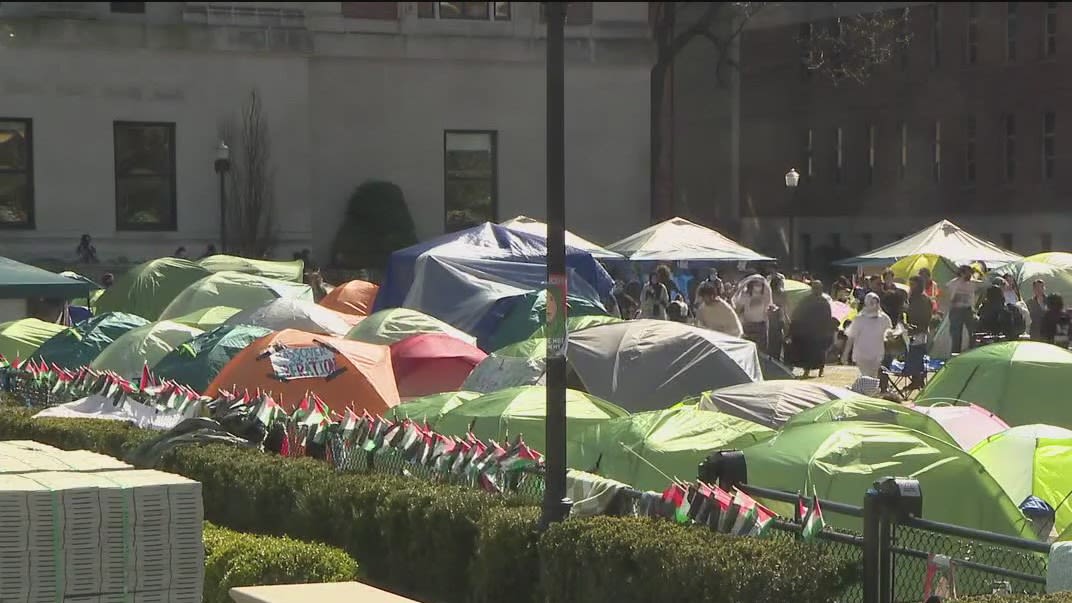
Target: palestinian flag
(349, 426)
(442, 451)
(521, 458)
(764, 521)
(410, 437)
(743, 514)
(268, 412)
(304, 408)
(700, 505)
(802, 508)
(675, 498)
(146, 380)
(721, 505)
(813, 521)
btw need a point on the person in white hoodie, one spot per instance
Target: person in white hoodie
(867, 337)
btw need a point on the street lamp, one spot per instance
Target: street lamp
(792, 179)
(223, 165)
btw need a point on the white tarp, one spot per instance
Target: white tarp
(290, 313)
(531, 226)
(101, 407)
(302, 362)
(678, 240)
(943, 239)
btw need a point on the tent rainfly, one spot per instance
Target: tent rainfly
(943, 239)
(678, 239)
(532, 226)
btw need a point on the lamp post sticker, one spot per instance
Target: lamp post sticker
(302, 362)
(556, 316)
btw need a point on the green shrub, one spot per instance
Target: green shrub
(626, 560)
(377, 223)
(1054, 598)
(450, 544)
(233, 559)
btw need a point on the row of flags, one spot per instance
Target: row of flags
(734, 512)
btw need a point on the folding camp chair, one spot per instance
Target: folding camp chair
(901, 382)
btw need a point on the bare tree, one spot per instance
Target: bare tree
(251, 224)
(845, 49)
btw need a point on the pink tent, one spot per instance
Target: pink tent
(432, 363)
(969, 424)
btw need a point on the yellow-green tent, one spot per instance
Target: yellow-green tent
(21, 338)
(207, 319)
(942, 269)
(235, 290)
(1059, 259)
(284, 271)
(144, 345)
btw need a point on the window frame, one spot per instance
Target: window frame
(31, 211)
(902, 169)
(1009, 131)
(122, 226)
(936, 144)
(809, 153)
(971, 132)
(839, 154)
(971, 50)
(1049, 138)
(494, 136)
(872, 137)
(437, 16)
(936, 36)
(1049, 39)
(1012, 30)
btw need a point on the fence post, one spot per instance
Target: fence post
(895, 498)
(872, 549)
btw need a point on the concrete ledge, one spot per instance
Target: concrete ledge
(338, 592)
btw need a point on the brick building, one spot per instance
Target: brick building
(969, 124)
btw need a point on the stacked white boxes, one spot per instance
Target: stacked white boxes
(85, 527)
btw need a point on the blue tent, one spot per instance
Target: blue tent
(459, 277)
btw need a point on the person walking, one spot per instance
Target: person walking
(812, 331)
(715, 313)
(752, 302)
(867, 337)
(961, 294)
(1036, 308)
(917, 324)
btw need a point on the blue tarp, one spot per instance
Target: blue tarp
(459, 277)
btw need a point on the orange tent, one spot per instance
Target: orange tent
(354, 297)
(290, 363)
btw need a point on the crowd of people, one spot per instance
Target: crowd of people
(893, 320)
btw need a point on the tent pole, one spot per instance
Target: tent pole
(555, 505)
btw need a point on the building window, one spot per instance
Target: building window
(1051, 29)
(132, 8)
(577, 13)
(972, 51)
(379, 11)
(1010, 31)
(936, 144)
(1006, 240)
(906, 35)
(16, 173)
(871, 136)
(1049, 146)
(1010, 147)
(969, 150)
(473, 11)
(936, 36)
(1046, 241)
(902, 168)
(471, 166)
(145, 176)
(807, 55)
(839, 155)
(809, 153)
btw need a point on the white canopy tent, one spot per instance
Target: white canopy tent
(678, 239)
(533, 226)
(942, 239)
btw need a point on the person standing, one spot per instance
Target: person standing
(1036, 308)
(917, 325)
(867, 337)
(812, 331)
(715, 313)
(1055, 322)
(655, 299)
(930, 288)
(777, 317)
(752, 302)
(961, 294)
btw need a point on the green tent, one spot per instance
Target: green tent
(21, 338)
(1022, 382)
(207, 319)
(529, 313)
(391, 326)
(22, 281)
(197, 362)
(1032, 460)
(862, 408)
(942, 269)
(79, 345)
(840, 461)
(144, 345)
(522, 363)
(578, 323)
(522, 411)
(1054, 258)
(148, 288)
(644, 448)
(232, 289)
(429, 409)
(1058, 279)
(293, 271)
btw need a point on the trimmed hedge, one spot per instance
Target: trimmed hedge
(234, 559)
(450, 544)
(1054, 598)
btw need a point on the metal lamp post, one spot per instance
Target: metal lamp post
(223, 165)
(792, 180)
(555, 504)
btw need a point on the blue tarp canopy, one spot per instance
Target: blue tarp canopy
(459, 277)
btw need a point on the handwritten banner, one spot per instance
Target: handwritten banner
(302, 362)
